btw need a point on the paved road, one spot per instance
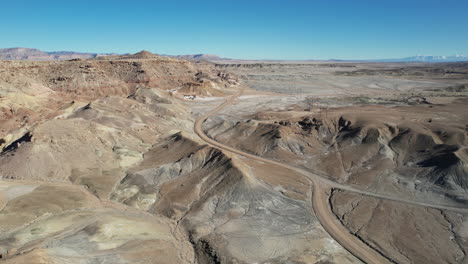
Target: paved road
(320, 199)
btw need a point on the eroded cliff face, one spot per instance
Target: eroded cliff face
(36, 91)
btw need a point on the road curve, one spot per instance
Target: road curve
(315, 176)
(339, 232)
(320, 198)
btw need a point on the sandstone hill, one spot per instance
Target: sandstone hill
(34, 91)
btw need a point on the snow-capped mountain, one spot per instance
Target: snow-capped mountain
(426, 58)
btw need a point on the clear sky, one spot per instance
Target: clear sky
(254, 29)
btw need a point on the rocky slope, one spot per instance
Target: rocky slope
(105, 168)
(58, 223)
(33, 91)
(408, 150)
(231, 215)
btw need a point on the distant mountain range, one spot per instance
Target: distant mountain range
(420, 58)
(206, 57)
(35, 54)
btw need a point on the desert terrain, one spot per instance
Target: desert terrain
(143, 158)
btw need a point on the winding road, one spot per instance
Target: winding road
(322, 184)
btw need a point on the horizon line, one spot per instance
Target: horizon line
(456, 55)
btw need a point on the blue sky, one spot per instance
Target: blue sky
(255, 29)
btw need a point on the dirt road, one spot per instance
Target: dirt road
(322, 184)
(340, 233)
(318, 177)
(320, 198)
